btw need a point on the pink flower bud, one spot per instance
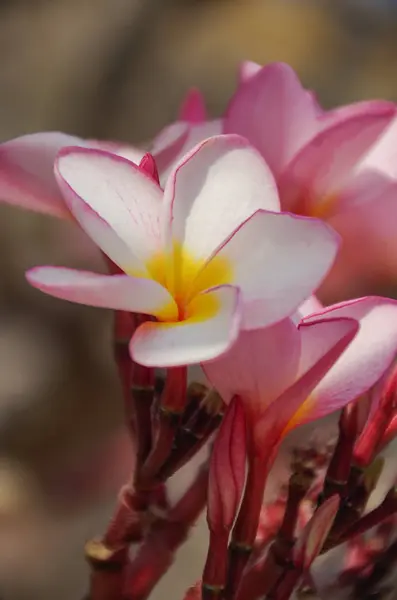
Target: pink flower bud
(227, 469)
(371, 438)
(148, 165)
(314, 535)
(193, 109)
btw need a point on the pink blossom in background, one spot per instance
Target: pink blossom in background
(292, 374)
(337, 165)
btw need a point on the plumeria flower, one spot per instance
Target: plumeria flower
(202, 257)
(338, 165)
(275, 372)
(288, 374)
(326, 368)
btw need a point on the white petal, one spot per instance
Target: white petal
(193, 340)
(213, 190)
(278, 260)
(115, 189)
(119, 292)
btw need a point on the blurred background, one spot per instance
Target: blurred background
(117, 69)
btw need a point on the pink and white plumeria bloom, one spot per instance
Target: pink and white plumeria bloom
(338, 165)
(292, 374)
(203, 257)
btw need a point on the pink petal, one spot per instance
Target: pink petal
(274, 112)
(196, 339)
(193, 108)
(259, 367)
(127, 151)
(314, 535)
(227, 469)
(197, 133)
(324, 164)
(278, 260)
(366, 359)
(148, 164)
(27, 172)
(367, 213)
(321, 346)
(310, 306)
(118, 191)
(214, 189)
(168, 144)
(119, 292)
(248, 69)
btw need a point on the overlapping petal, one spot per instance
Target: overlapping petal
(198, 338)
(273, 370)
(127, 199)
(259, 367)
(119, 292)
(278, 260)
(216, 187)
(321, 347)
(27, 172)
(274, 112)
(321, 168)
(366, 359)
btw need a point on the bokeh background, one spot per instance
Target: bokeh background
(117, 69)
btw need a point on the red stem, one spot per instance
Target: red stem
(215, 570)
(156, 554)
(172, 403)
(339, 467)
(246, 526)
(375, 517)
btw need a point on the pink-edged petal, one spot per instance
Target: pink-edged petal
(127, 151)
(367, 358)
(278, 260)
(215, 188)
(321, 168)
(168, 144)
(259, 367)
(314, 535)
(27, 172)
(116, 190)
(198, 338)
(193, 108)
(322, 343)
(197, 133)
(227, 469)
(119, 292)
(274, 112)
(107, 240)
(310, 306)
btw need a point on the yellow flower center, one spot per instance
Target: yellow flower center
(320, 208)
(185, 277)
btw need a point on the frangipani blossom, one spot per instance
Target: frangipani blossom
(337, 165)
(274, 371)
(370, 355)
(201, 257)
(27, 169)
(283, 393)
